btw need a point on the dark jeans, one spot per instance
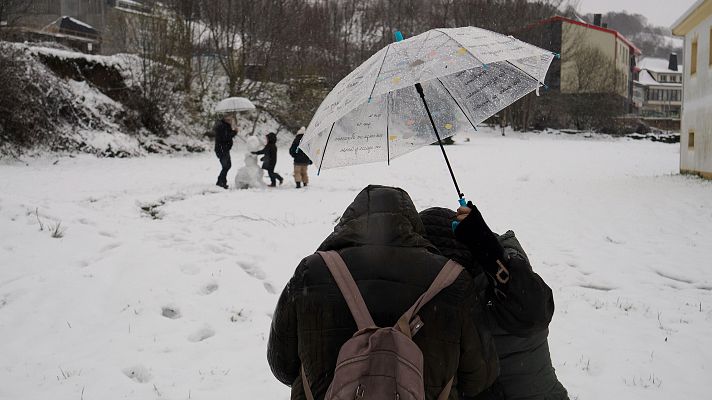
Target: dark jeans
(274, 176)
(226, 165)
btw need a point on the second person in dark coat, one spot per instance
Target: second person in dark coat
(269, 159)
(519, 303)
(380, 237)
(224, 134)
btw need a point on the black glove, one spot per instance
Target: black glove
(479, 238)
(255, 152)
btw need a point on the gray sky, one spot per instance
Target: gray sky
(658, 12)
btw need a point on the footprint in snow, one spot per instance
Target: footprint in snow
(209, 288)
(201, 334)
(595, 286)
(171, 312)
(110, 247)
(138, 373)
(252, 270)
(269, 288)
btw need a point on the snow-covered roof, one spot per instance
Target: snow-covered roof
(659, 65)
(78, 22)
(683, 24)
(646, 79)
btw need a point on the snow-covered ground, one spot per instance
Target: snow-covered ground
(162, 285)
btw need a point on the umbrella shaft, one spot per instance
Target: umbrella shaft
(419, 88)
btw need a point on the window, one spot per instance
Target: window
(691, 140)
(693, 57)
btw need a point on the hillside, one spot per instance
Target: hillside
(653, 41)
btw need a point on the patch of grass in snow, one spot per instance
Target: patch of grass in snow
(66, 374)
(152, 210)
(57, 230)
(651, 381)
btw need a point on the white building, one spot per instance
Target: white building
(658, 88)
(696, 133)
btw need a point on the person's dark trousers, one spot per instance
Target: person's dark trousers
(273, 176)
(226, 163)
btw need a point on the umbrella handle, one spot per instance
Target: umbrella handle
(463, 203)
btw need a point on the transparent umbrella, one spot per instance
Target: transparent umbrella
(417, 91)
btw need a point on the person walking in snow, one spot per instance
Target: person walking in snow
(301, 160)
(380, 238)
(518, 303)
(224, 134)
(269, 159)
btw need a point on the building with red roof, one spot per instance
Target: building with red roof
(594, 58)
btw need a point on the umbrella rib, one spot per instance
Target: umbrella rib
(420, 51)
(458, 104)
(388, 134)
(375, 82)
(325, 145)
(519, 69)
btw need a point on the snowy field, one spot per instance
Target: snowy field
(162, 285)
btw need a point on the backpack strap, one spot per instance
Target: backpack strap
(445, 394)
(305, 384)
(347, 285)
(445, 278)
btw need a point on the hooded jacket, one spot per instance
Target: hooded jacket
(300, 158)
(269, 161)
(519, 322)
(380, 237)
(223, 138)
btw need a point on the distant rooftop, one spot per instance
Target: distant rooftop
(634, 49)
(659, 65)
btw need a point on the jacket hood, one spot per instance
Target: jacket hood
(379, 215)
(438, 230)
(271, 137)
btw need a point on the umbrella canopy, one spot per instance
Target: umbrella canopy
(467, 75)
(234, 104)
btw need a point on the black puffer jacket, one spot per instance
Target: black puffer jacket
(223, 137)
(269, 161)
(300, 158)
(380, 239)
(519, 322)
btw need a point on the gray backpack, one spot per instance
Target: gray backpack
(380, 363)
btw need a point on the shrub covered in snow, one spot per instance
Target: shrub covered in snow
(60, 100)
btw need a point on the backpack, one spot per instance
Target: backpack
(380, 363)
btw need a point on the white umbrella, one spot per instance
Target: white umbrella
(234, 104)
(379, 111)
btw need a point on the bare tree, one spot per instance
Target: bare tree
(11, 11)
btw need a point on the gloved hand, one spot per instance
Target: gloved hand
(473, 232)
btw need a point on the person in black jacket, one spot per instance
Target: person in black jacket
(269, 159)
(301, 160)
(224, 133)
(380, 237)
(519, 304)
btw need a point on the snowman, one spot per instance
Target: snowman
(250, 175)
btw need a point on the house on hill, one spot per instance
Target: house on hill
(90, 26)
(657, 94)
(696, 134)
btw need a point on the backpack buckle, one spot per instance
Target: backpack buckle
(360, 390)
(502, 274)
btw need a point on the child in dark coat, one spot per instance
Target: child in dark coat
(301, 160)
(269, 159)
